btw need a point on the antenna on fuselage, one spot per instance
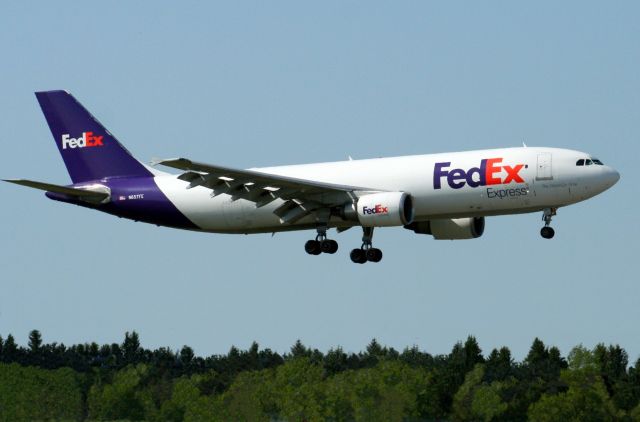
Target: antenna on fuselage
(523, 144)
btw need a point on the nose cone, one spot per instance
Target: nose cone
(611, 176)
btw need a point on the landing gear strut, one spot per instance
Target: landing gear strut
(321, 243)
(366, 252)
(547, 232)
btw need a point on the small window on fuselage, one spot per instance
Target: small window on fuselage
(580, 162)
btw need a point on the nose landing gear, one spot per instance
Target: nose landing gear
(321, 244)
(366, 252)
(547, 231)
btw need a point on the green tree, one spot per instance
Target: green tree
(635, 414)
(185, 398)
(612, 363)
(35, 341)
(186, 355)
(123, 398)
(299, 392)
(586, 398)
(298, 350)
(251, 397)
(464, 396)
(387, 392)
(581, 358)
(131, 349)
(416, 358)
(28, 393)
(10, 349)
(335, 361)
(487, 403)
(499, 365)
(338, 397)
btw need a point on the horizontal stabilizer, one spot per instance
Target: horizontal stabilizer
(84, 194)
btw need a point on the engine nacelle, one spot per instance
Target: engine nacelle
(385, 209)
(450, 228)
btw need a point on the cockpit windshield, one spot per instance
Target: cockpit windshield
(589, 162)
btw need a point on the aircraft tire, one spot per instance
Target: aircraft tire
(358, 256)
(329, 246)
(547, 232)
(313, 247)
(374, 255)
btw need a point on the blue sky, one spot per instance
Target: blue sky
(265, 83)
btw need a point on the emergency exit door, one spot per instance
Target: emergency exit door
(544, 167)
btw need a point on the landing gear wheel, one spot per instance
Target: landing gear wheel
(321, 244)
(366, 252)
(313, 247)
(374, 255)
(329, 246)
(547, 232)
(358, 256)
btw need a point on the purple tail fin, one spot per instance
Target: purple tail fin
(89, 150)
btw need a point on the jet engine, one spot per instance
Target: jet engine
(450, 228)
(381, 209)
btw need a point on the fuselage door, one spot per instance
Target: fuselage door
(544, 167)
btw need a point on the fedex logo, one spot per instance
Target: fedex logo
(489, 173)
(88, 139)
(378, 209)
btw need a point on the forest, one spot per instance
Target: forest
(125, 381)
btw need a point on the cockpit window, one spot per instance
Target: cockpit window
(597, 162)
(580, 162)
(588, 162)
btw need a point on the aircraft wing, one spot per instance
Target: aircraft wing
(302, 197)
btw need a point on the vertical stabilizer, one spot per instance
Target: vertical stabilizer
(88, 149)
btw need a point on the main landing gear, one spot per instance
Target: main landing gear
(321, 244)
(366, 251)
(547, 232)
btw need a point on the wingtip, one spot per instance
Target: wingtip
(163, 161)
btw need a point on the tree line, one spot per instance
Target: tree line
(125, 381)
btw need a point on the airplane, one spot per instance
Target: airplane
(447, 196)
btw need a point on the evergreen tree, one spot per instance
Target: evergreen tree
(499, 365)
(335, 361)
(298, 350)
(187, 356)
(10, 352)
(374, 348)
(472, 352)
(538, 354)
(131, 347)
(35, 341)
(414, 357)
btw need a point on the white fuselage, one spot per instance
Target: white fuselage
(536, 178)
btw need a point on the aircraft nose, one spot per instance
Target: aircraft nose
(612, 176)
